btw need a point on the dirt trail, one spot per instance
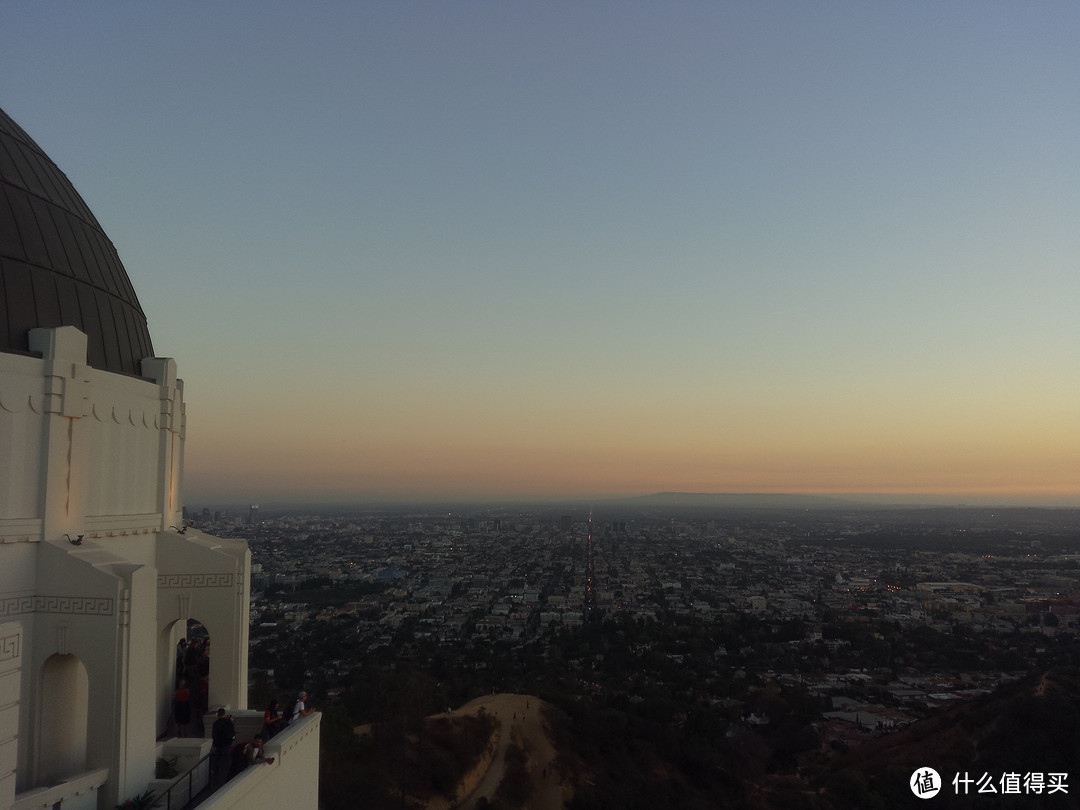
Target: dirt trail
(520, 721)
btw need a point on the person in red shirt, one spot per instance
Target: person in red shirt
(273, 722)
(182, 708)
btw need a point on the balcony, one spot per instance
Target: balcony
(292, 781)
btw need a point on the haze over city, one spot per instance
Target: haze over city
(480, 250)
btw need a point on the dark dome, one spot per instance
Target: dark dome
(57, 267)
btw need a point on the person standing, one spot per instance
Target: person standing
(300, 709)
(181, 651)
(192, 657)
(182, 708)
(273, 722)
(222, 736)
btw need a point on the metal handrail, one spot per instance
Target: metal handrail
(167, 792)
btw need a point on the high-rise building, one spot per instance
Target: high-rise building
(253, 514)
(98, 576)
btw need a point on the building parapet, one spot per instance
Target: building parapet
(291, 781)
(73, 793)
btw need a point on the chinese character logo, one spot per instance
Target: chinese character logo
(925, 783)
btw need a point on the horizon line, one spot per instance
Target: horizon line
(877, 499)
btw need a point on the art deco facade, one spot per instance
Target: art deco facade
(97, 582)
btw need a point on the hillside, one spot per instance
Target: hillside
(623, 759)
(512, 751)
(493, 752)
(521, 771)
(735, 500)
(1030, 726)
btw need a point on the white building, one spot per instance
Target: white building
(97, 582)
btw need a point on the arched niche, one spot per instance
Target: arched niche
(188, 663)
(170, 669)
(198, 673)
(62, 713)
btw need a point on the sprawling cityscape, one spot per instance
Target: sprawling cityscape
(650, 406)
(802, 635)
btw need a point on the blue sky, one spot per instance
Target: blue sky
(571, 249)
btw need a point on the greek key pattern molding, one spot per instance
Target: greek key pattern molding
(9, 647)
(195, 580)
(77, 605)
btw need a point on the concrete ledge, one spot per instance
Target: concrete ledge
(186, 750)
(291, 781)
(247, 722)
(188, 753)
(77, 792)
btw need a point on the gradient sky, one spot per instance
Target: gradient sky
(463, 249)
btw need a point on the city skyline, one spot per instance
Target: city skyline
(474, 252)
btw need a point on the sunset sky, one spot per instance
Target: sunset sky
(552, 249)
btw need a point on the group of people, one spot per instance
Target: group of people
(192, 682)
(227, 757)
(274, 721)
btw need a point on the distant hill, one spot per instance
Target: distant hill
(739, 500)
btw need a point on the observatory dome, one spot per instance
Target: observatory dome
(57, 267)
